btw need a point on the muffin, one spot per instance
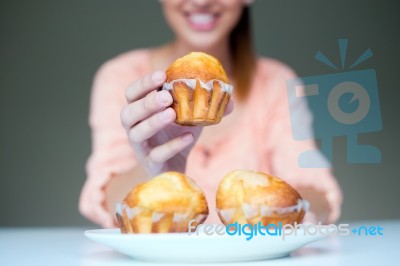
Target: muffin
(249, 197)
(166, 203)
(200, 89)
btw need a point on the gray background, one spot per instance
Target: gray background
(49, 51)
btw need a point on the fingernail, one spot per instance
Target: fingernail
(163, 97)
(158, 76)
(166, 115)
(187, 137)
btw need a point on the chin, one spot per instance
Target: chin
(203, 42)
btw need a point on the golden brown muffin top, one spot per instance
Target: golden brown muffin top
(255, 188)
(168, 192)
(197, 65)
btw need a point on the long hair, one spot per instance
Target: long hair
(242, 54)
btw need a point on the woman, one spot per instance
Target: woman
(255, 135)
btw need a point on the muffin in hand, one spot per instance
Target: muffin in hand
(166, 203)
(200, 89)
(249, 197)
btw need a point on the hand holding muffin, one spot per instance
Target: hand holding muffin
(161, 145)
(200, 89)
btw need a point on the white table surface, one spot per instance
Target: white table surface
(68, 246)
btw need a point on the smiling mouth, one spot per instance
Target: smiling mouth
(202, 21)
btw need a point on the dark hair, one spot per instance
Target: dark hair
(242, 53)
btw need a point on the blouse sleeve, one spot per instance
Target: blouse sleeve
(315, 184)
(111, 151)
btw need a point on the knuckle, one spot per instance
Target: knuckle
(154, 157)
(85, 210)
(151, 164)
(129, 89)
(134, 136)
(149, 161)
(146, 81)
(153, 122)
(82, 209)
(171, 149)
(147, 103)
(125, 117)
(174, 146)
(127, 92)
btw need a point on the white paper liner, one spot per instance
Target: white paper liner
(191, 83)
(264, 211)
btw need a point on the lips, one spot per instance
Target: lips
(202, 21)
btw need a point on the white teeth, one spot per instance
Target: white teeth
(201, 18)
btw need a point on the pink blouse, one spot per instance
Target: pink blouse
(261, 138)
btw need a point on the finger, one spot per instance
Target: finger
(143, 86)
(164, 152)
(144, 108)
(229, 107)
(141, 150)
(149, 127)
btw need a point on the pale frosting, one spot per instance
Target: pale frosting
(156, 216)
(301, 205)
(263, 210)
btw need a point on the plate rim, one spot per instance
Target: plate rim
(110, 237)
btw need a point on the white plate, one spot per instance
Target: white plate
(182, 247)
